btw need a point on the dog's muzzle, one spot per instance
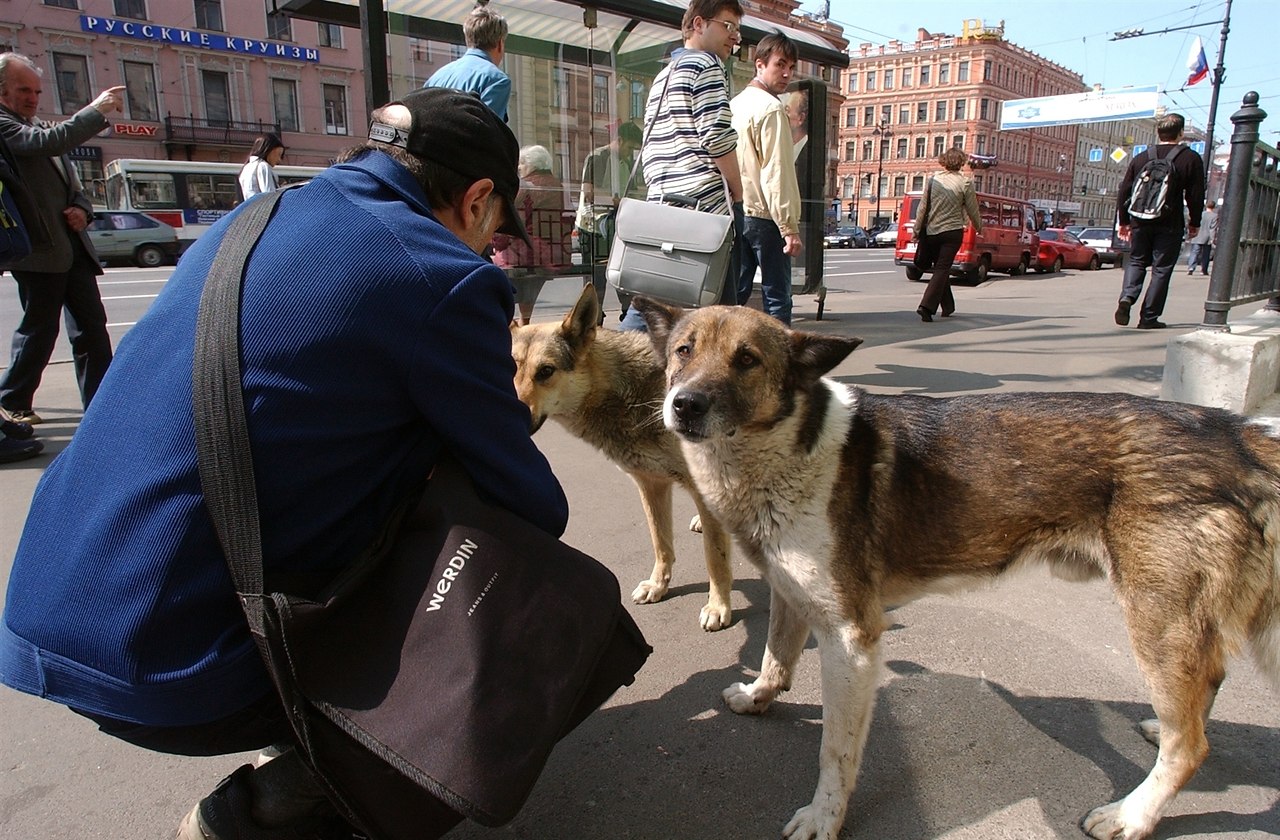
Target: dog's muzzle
(689, 411)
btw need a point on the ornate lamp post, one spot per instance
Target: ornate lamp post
(884, 132)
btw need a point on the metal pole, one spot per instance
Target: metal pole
(1219, 74)
(1231, 223)
(377, 87)
(879, 173)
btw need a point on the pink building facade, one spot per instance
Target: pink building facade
(203, 78)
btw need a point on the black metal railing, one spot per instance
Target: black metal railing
(193, 130)
(1246, 260)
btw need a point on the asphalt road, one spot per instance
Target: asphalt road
(1005, 712)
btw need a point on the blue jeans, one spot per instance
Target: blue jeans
(1155, 247)
(1201, 253)
(762, 246)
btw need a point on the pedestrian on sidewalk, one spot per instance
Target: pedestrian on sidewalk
(1204, 240)
(1155, 243)
(949, 203)
(64, 277)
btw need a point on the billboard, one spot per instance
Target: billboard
(1076, 108)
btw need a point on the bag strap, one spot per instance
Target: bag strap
(222, 435)
(644, 141)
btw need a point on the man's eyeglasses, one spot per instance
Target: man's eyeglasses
(729, 26)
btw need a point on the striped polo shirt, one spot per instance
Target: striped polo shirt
(688, 129)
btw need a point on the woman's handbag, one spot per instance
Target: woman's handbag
(676, 254)
(430, 681)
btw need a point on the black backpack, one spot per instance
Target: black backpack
(1150, 196)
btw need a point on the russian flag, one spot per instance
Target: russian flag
(1196, 63)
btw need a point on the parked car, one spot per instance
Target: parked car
(847, 236)
(130, 235)
(1101, 240)
(1074, 230)
(1008, 241)
(1059, 250)
(886, 238)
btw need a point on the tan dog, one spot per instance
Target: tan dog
(606, 387)
(851, 503)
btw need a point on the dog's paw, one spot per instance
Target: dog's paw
(744, 699)
(715, 618)
(1109, 823)
(695, 524)
(649, 592)
(1150, 730)
(809, 823)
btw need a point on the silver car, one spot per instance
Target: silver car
(134, 236)
(1100, 240)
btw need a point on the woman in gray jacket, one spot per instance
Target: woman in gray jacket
(948, 198)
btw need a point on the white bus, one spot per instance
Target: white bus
(189, 195)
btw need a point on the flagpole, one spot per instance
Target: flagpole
(1219, 72)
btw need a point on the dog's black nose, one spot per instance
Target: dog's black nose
(690, 405)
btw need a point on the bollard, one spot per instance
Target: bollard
(1231, 224)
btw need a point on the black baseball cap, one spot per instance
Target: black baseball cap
(456, 130)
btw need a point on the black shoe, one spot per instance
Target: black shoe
(947, 313)
(925, 315)
(1152, 325)
(15, 430)
(16, 449)
(1122, 312)
(227, 814)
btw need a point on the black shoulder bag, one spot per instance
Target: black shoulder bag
(432, 678)
(926, 254)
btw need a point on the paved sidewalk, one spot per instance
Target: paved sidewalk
(1005, 712)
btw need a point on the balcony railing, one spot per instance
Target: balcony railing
(195, 131)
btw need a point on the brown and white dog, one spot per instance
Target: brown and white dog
(606, 387)
(851, 503)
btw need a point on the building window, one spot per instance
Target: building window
(638, 91)
(959, 109)
(869, 115)
(599, 93)
(853, 82)
(131, 9)
(284, 102)
(924, 74)
(984, 109)
(899, 185)
(62, 4)
(888, 79)
(919, 147)
(330, 36)
(962, 72)
(871, 80)
(217, 97)
(335, 109)
(906, 76)
(850, 118)
(866, 150)
(847, 186)
(944, 73)
(982, 144)
(940, 111)
(902, 148)
(904, 114)
(922, 112)
(209, 14)
(939, 145)
(279, 27)
(986, 71)
(140, 91)
(958, 141)
(420, 49)
(977, 183)
(557, 87)
(917, 183)
(72, 74)
(886, 113)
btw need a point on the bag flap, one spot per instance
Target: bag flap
(658, 225)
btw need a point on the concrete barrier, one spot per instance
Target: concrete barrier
(1237, 370)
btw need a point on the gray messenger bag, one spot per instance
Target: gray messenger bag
(675, 254)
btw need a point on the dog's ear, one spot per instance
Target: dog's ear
(813, 356)
(660, 318)
(579, 326)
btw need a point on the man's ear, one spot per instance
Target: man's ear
(474, 204)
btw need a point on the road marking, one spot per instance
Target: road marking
(826, 274)
(130, 297)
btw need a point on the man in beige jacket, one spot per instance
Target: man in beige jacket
(770, 192)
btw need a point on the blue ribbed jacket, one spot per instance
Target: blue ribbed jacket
(372, 338)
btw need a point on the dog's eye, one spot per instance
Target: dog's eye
(684, 351)
(745, 360)
(544, 373)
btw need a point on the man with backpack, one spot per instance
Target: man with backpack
(1149, 206)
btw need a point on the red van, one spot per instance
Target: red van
(1008, 242)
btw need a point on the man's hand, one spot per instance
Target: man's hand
(77, 218)
(1192, 230)
(1123, 232)
(792, 245)
(111, 99)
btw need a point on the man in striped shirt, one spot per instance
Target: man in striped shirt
(690, 149)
